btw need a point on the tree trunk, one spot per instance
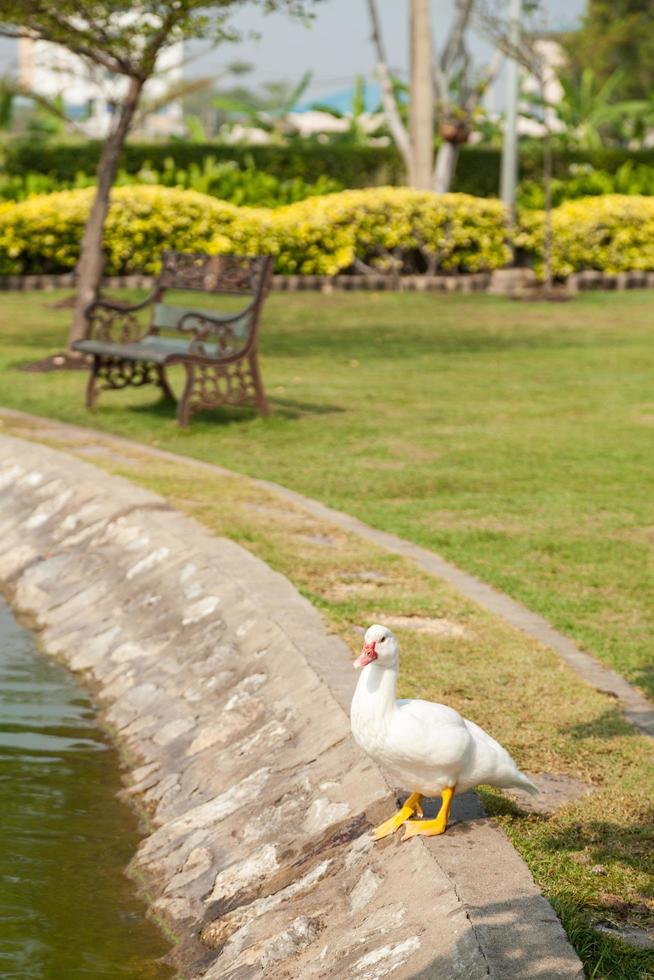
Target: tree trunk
(548, 236)
(91, 261)
(448, 154)
(422, 97)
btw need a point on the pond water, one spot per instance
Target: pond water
(67, 911)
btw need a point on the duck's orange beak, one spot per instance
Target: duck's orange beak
(367, 655)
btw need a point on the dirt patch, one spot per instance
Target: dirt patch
(63, 361)
(555, 791)
(422, 624)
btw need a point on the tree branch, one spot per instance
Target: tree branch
(75, 42)
(454, 46)
(389, 101)
(454, 50)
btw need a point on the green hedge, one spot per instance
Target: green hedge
(350, 166)
(227, 181)
(478, 169)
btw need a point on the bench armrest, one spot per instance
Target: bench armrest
(218, 327)
(119, 306)
(114, 322)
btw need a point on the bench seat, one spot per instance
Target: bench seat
(157, 350)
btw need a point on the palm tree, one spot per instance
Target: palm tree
(358, 130)
(588, 112)
(269, 114)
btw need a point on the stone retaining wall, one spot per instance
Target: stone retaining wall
(228, 697)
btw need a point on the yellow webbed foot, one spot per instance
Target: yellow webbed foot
(428, 828)
(394, 823)
(431, 828)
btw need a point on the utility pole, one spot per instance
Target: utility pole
(422, 97)
(509, 175)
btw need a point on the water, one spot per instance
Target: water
(67, 911)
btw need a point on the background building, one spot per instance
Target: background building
(90, 95)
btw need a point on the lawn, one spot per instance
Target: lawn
(403, 410)
(514, 438)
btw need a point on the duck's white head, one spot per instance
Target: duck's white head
(379, 645)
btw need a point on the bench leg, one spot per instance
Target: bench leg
(184, 406)
(92, 383)
(163, 383)
(213, 386)
(260, 395)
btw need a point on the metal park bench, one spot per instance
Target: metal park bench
(218, 350)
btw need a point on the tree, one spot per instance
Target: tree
(421, 105)
(457, 92)
(589, 112)
(46, 115)
(616, 35)
(124, 39)
(359, 126)
(531, 56)
(270, 111)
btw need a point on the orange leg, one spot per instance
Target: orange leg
(394, 823)
(429, 828)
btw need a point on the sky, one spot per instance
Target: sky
(335, 46)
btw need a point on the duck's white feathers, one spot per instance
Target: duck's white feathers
(426, 746)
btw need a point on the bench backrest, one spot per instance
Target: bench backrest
(236, 275)
(245, 275)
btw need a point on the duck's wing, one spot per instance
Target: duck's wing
(428, 712)
(422, 731)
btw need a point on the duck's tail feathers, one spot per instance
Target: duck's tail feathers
(527, 784)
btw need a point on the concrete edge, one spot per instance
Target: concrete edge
(52, 556)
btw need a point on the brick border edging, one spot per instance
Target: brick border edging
(499, 282)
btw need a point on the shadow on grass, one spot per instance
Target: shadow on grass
(610, 724)
(644, 678)
(602, 843)
(227, 415)
(389, 342)
(292, 408)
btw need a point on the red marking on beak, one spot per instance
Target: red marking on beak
(368, 654)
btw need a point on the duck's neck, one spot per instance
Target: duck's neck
(375, 691)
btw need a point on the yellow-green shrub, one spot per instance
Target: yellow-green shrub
(387, 228)
(391, 228)
(612, 233)
(43, 234)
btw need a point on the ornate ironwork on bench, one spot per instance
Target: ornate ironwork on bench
(218, 350)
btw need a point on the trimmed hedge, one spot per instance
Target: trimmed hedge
(386, 229)
(389, 229)
(226, 181)
(613, 233)
(357, 166)
(478, 168)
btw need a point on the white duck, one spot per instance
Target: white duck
(427, 748)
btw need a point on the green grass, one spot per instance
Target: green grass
(516, 439)
(414, 437)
